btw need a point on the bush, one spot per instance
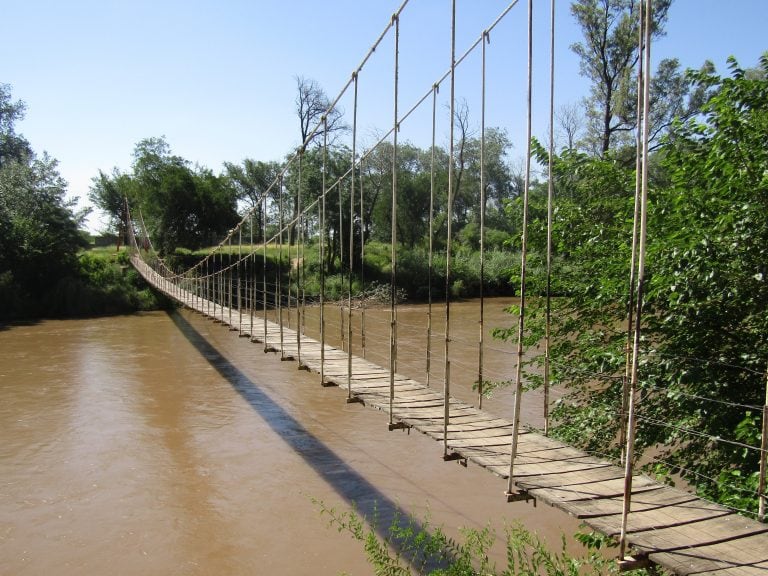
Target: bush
(409, 546)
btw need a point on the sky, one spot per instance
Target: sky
(218, 79)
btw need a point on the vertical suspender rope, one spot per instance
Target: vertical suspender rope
(299, 266)
(447, 373)
(210, 286)
(485, 40)
(351, 241)
(223, 280)
(393, 251)
(362, 260)
(523, 265)
(216, 283)
(230, 269)
(304, 220)
(430, 262)
(214, 279)
(280, 267)
(239, 287)
(276, 301)
(633, 256)
(322, 253)
(289, 289)
(633, 385)
(253, 277)
(340, 234)
(264, 266)
(550, 201)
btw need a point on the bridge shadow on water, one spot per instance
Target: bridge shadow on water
(377, 509)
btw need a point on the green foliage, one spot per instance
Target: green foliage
(737, 485)
(608, 57)
(408, 546)
(39, 236)
(181, 206)
(107, 285)
(709, 289)
(705, 329)
(13, 147)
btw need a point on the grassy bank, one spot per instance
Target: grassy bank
(102, 283)
(500, 270)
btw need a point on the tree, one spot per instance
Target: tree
(252, 180)
(312, 105)
(39, 236)
(709, 290)
(570, 124)
(181, 206)
(608, 58)
(12, 146)
(705, 330)
(109, 192)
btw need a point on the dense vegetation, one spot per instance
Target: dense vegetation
(410, 546)
(43, 269)
(705, 329)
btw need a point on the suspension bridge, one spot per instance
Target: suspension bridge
(654, 523)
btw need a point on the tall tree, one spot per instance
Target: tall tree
(312, 104)
(108, 193)
(252, 180)
(39, 236)
(181, 205)
(609, 58)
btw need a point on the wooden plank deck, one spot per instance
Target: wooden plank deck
(676, 530)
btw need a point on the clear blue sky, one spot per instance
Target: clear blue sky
(217, 79)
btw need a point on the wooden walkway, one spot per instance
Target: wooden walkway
(672, 528)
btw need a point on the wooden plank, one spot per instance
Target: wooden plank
(587, 489)
(747, 556)
(656, 499)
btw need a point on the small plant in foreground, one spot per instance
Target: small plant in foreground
(410, 547)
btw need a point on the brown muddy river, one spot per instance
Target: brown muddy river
(163, 444)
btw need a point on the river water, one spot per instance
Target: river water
(162, 443)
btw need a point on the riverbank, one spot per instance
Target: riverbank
(102, 283)
(416, 276)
